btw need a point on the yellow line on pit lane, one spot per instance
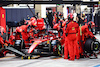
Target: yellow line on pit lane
(57, 58)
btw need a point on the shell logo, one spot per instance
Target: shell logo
(2, 15)
(35, 43)
(73, 28)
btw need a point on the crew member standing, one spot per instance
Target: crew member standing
(50, 18)
(71, 33)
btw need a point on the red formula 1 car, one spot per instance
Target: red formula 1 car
(36, 40)
(46, 42)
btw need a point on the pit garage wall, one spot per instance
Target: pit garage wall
(38, 9)
(18, 14)
(59, 9)
(14, 15)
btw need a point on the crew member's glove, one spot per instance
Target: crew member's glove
(94, 38)
(14, 40)
(81, 41)
(66, 34)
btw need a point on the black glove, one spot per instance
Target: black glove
(81, 41)
(35, 31)
(66, 34)
(9, 44)
(14, 40)
(94, 38)
(29, 38)
(38, 31)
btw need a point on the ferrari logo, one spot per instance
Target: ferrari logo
(73, 28)
(2, 15)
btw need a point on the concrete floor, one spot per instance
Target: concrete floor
(12, 61)
(49, 62)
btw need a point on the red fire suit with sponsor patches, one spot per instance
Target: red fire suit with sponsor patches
(25, 34)
(12, 39)
(82, 38)
(40, 26)
(3, 42)
(73, 48)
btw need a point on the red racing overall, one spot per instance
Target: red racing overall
(73, 48)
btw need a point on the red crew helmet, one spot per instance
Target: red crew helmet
(26, 22)
(70, 16)
(91, 24)
(34, 23)
(63, 24)
(19, 29)
(56, 26)
(32, 18)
